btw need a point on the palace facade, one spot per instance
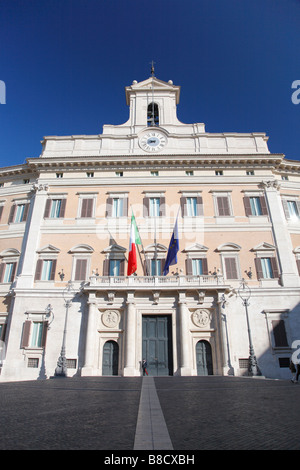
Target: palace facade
(65, 216)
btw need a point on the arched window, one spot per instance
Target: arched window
(152, 115)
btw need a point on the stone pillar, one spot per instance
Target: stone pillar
(31, 239)
(286, 258)
(130, 337)
(227, 367)
(91, 336)
(184, 337)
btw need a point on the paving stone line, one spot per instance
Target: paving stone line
(151, 430)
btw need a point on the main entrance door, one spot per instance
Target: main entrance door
(110, 360)
(204, 358)
(157, 344)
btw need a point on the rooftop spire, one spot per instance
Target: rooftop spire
(152, 68)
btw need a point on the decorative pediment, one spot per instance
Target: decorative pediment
(264, 247)
(49, 249)
(159, 248)
(9, 252)
(196, 247)
(152, 83)
(229, 247)
(82, 248)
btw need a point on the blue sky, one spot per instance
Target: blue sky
(65, 64)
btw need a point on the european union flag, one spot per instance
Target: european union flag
(173, 250)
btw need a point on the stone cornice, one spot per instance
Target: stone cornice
(33, 166)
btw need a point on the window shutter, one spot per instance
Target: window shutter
(25, 335)
(125, 207)
(230, 266)
(298, 265)
(223, 205)
(25, 213)
(258, 267)
(12, 214)
(147, 270)
(279, 333)
(162, 266)
(13, 273)
(47, 208)
(38, 271)
(62, 208)
(183, 206)
(53, 268)
(83, 207)
(109, 205)
(90, 203)
(146, 207)
(162, 207)
(204, 266)
(1, 211)
(2, 266)
(263, 205)
(285, 208)
(297, 204)
(188, 267)
(122, 267)
(44, 334)
(3, 332)
(106, 267)
(247, 205)
(274, 267)
(200, 206)
(80, 272)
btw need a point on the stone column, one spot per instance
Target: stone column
(31, 239)
(227, 367)
(286, 258)
(91, 336)
(184, 337)
(130, 337)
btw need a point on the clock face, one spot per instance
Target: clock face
(152, 141)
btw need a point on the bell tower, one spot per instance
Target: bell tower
(152, 103)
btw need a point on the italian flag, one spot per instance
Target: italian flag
(134, 240)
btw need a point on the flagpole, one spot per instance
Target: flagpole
(155, 245)
(146, 267)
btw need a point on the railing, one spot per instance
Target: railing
(153, 281)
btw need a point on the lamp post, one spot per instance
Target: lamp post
(61, 368)
(244, 292)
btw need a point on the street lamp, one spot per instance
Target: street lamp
(61, 368)
(244, 292)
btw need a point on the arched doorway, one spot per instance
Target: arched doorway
(110, 361)
(204, 358)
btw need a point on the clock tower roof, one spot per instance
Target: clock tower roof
(152, 84)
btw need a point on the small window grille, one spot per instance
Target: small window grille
(284, 362)
(71, 363)
(243, 363)
(33, 362)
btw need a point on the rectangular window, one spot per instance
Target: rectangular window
(156, 266)
(33, 363)
(55, 208)
(293, 209)
(117, 207)
(197, 267)
(219, 172)
(255, 206)
(87, 205)
(36, 334)
(119, 173)
(266, 268)
(18, 213)
(154, 206)
(45, 270)
(191, 203)
(154, 173)
(279, 332)
(80, 271)
(223, 206)
(9, 272)
(231, 268)
(114, 267)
